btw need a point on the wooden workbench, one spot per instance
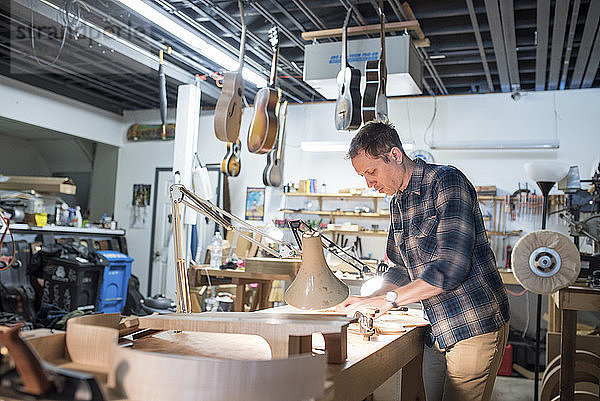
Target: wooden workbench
(371, 363)
(568, 301)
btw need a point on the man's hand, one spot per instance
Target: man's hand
(352, 299)
(353, 303)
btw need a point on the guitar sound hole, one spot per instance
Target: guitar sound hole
(343, 90)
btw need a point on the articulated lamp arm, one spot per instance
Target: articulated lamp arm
(181, 195)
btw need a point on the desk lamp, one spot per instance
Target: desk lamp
(315, 285)
(545, 174)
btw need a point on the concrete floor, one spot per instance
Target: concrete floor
(512, 389)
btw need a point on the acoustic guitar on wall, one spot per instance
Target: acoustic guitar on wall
(273, 172)
(374, 100)
(228, 112)
(262, 134)
(347, 105)
(231, 163)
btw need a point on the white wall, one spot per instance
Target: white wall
(26, 103)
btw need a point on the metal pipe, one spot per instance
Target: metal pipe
(477, 33)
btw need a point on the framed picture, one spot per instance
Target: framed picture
(255, 203)
(140, 205)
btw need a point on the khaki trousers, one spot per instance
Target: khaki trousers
(467, 370)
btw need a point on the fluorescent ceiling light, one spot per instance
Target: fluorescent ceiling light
(504, 145)
(193, 40)
(336, 146)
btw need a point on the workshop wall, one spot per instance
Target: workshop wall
(19, 157)
(45, 109)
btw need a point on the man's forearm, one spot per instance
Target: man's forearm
(415, 291)
(385, 287)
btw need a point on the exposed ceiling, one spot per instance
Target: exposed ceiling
(529, 45)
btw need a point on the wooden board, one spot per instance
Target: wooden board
(273, 266)
(578, 298)
(275, 328)
(61, 185)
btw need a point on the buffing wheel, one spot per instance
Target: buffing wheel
(545, 261)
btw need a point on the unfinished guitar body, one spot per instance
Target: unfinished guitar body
(263, 130)
(228, 112)
(152, 367)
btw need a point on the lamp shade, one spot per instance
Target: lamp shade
(315, 285)
(546, 171)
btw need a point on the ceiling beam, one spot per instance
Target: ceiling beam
(541, 53)
(312, 17)
(585, 46)
(561, 12)
(271, 18)
(592, 68)
(510, 42)
(128, 49)
(477, 33)
(493, 16)
(568, 50)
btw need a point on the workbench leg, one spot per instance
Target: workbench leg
(411, 382)
(567, 358)
(265, 291)
(554, 321)
(300, 345)
(336, 345)
(240, 291)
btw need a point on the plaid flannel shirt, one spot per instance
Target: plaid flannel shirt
(437, 234)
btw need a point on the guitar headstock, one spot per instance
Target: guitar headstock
(274, 38)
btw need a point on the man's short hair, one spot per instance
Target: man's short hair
(376, 138)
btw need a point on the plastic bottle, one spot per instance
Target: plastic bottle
(216, 252)
(78, 220)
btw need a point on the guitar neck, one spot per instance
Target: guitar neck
(242, 38)
(344, 62)
(273, 77)
(382, 29)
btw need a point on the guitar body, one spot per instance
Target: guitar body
(231, 164)
(272, 174)
(263, 130)
(374, 99)
(228, 112)
(347, 105)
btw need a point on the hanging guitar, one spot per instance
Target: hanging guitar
(374, 100)
(347, 105)
(228, 112)
(263, 129)
(273, 172)
(231, 164)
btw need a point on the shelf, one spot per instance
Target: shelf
(18, 227)
(379, 233)
(504, 234)
(333, 196)
(337, 213)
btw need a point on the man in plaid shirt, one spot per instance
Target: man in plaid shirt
(438, 243)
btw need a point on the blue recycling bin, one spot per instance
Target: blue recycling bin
(113, 292)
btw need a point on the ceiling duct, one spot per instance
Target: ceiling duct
(404, 69)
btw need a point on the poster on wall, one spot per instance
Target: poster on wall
(140, 203)
(255, 203)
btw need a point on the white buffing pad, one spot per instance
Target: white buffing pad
(545, 261)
